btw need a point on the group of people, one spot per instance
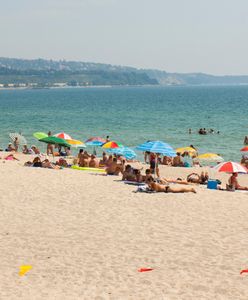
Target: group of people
(180, 160)
(204, 131)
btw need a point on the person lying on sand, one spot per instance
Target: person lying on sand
(62, 163)
(11, 157)
(154, 186)
(196, 178)
(234, 185)
(178, 181)
(47, 164)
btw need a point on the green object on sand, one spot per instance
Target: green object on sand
(40, 135)
(55, 140)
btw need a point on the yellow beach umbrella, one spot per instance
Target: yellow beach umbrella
(76, 143)
(186, 149)
(210, 157)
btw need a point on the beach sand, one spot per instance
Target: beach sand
(86, 236)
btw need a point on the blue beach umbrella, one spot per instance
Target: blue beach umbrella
(157, 147)
(123, 151)
(94, 143)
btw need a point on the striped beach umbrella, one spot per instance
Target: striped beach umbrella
(111, 145)
(95, 141)
(230, 167)
(157, 147)
(63, 135)
(123, 151)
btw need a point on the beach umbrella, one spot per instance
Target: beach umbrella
(245, 149)
(191, 150)
(76, 143)
(21, 138)
(111, 145)
(40, 135)
(230, 167)
(95, 141)
(63, 135)
(210, 157)
(55, 140)
(157, 147)
(123, 151)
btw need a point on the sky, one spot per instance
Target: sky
(184, 36)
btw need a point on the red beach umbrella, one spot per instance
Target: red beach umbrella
(230, 167)
(64, 136)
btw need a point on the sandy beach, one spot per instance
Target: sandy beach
(86, 236)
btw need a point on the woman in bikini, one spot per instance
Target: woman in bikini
(154, 186)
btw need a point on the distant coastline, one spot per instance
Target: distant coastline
(41, 73)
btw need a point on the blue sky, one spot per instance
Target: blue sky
(177, 36)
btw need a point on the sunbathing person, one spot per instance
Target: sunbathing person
(104, 160)
(93, 163)
(148, 174)
(35, 150)
(47, 164)
(177, 161)
(25, 149)
(37, 162)
(83, 159)
(10, 148)
(62, 163)
(114, 168)
(196, 178)
(128, 174)
(11, 157)
(234, 185)
(167, 161)
(109, 160)
(154, 186)
(178, 181)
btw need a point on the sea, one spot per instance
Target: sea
(132, 115)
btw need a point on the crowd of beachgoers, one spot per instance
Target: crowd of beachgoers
(118, 165)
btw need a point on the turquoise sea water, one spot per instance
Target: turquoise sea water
(132, 115)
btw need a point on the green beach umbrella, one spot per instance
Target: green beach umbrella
(55, 140)
(40, 135)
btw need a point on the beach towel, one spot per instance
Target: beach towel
(134, 183)
(144, 189)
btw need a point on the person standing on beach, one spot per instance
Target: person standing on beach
(16, 144)
(107, 139)
(49, 146)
